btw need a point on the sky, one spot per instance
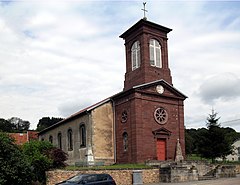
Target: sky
(59, 56)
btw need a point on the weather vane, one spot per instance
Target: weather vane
(144, 10)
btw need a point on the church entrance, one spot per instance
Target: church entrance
(161, 149)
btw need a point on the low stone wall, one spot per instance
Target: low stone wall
(238, 169)
(226, 171)
(193, 171)
(122, 177)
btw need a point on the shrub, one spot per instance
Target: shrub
(42, 156)
(14, 168)
(59, 157)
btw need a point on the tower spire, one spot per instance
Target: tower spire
(144, 11)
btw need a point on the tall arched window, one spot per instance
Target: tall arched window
(125, 141)
(70, 139)
(82, 135)
(135, 53)
(60, 140)
(155, 53)
(50, 139)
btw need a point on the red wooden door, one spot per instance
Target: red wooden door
(161, 149)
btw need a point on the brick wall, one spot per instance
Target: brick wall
(148, 175)
(140, 106)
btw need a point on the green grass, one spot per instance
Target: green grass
(195, 157)
(111, 167)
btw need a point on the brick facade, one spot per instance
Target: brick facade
(142, 128)
(140, 100)
(143, 122)
(21, 138)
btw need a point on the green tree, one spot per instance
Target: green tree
(47, 122)
(36, 153)
(19, 124)
(5, 125)
(231, 135)
(42, 156)
(14, 168)
(212, 120)
(213, 143)
(189, 142)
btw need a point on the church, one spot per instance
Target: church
(144, 122)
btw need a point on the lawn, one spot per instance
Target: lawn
(110, 167)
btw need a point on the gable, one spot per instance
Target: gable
(162, 132)
(160, 88)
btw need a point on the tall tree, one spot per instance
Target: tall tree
(214, 143)
(212, 120)
(190, 141)
(47, 122)
(5, 125)
(19, 124)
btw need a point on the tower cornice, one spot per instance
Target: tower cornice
(143, 22)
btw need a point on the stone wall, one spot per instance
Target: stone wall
(195, 170)
(103, 134)
(122, 177)
(238, 169)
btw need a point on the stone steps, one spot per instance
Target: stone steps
(202, 178)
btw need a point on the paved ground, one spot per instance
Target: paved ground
(222, 181)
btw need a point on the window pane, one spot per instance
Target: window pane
(82, 136)
(158, 64)
(138, 58)
(152, 56)
(125, 141)
(155, 53)
(151, 42)
(135, 55)
(156, 43)
(60, 140)
(134, 59)
(70, 141)
(50, 139)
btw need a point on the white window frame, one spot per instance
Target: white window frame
(135, 55)
(155, 53)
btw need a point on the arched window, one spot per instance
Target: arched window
(70, 139)
(50, 139)
(135, 53)
(155, 53)
(60, 140)
(125, 141)
(82, 132)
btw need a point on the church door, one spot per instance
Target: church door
(161, 149)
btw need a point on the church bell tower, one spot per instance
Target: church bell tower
(146, 54)
(149, 112)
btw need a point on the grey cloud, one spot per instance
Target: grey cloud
(68, 108)
(223, 86)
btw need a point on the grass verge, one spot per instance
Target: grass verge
(111, 167)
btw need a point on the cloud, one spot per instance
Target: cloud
(58, 56)
(224, 86)
(68, 108)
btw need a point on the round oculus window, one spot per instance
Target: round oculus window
(160, 115)
(124, 116)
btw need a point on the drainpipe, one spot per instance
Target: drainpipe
(114, 132)
(90, 156)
